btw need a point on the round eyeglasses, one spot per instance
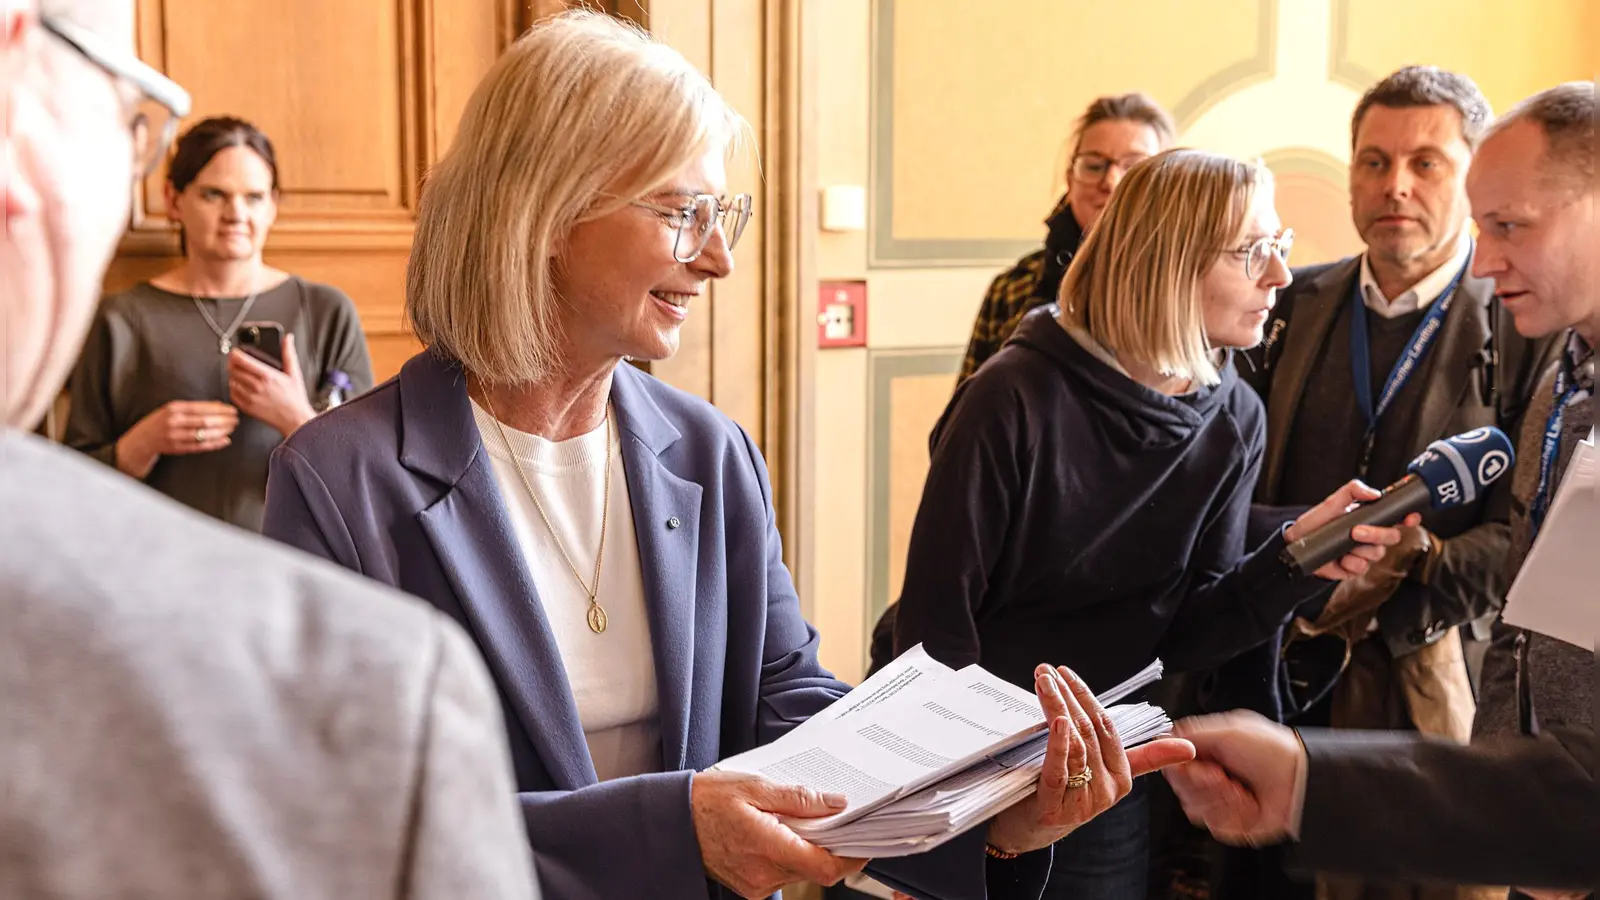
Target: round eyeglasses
(699, 217)
(1092, 168)
(1258, 255)
(153, 119)
(153, 126)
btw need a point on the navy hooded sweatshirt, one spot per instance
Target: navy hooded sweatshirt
(1074, 516)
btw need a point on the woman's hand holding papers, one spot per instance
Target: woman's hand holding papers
(745, 847)
(1082, 739)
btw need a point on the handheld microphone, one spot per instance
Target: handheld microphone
(1449, 473)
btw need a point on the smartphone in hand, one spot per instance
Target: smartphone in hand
(263, 340)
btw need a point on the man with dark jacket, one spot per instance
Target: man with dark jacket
(1534, 684)
(1437, 356)
(1367, 360)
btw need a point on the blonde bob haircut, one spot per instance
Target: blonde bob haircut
(1136, 284)
(579, 117)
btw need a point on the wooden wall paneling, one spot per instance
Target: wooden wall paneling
(722, 353)
(359, 97)
(330, 83)
(792, 29)
(740, 313)
(686, 25)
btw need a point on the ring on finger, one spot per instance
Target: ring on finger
(200, 435)
(1081, 779)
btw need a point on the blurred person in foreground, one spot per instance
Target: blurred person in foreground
(186, 710)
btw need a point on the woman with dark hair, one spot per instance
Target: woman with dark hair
(1114, 133)
(191, 379)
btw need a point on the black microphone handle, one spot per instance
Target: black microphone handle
(1310, 553)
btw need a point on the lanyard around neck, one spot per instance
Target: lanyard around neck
(1422, 341)
(1566, 389)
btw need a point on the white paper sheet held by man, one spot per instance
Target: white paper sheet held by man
(1557, 592)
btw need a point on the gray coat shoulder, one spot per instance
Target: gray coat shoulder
(194, 702)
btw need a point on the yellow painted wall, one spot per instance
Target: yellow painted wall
(954, 114)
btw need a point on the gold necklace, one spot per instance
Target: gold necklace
(597, 613)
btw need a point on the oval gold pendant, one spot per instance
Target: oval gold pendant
(597, 619)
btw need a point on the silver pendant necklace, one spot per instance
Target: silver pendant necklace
(225, 337)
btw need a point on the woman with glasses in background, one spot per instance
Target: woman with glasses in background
(1113, 134)
(188, 381)
(1089, 487)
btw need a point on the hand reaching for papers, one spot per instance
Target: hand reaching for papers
(746, 848)
(1082, 739)
(1242, 784)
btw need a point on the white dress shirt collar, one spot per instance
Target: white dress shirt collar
(1422, 294)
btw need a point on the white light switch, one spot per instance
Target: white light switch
(844, 207)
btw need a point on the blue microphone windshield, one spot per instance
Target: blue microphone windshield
(1457, 469)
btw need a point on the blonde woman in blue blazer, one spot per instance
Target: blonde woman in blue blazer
(610, 541)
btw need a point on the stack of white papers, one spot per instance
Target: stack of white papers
(924, 752)
(1557, 591)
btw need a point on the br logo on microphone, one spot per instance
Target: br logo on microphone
(1449, 493)
(1492, 466)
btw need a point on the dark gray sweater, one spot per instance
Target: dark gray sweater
(1325, 443)
(149, 346)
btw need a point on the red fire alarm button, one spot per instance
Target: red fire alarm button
(842, 314)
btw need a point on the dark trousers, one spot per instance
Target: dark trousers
(1109, 857)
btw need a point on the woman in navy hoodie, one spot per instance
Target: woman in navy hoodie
(1090, 485)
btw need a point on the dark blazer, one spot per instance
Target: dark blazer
(1464, 392)
(1469, 583)
(396, 485)
(1518, 810)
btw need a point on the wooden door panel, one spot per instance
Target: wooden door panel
(358, 96)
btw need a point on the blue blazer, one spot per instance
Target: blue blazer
(396, 485)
